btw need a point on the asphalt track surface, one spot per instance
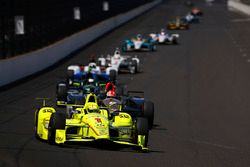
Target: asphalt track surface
(200, 89)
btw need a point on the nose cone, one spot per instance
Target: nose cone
(98, 124)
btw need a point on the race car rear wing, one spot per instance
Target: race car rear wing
(44, 100)
(136, 93)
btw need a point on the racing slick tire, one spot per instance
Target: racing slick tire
(133, 67)
(153, 48)
(141, 128)
(175, 41)
(124, 48)
(70, 76)
(57, 121)
(148, 112)
(120, 90)
(61, 91)
(134, 63)
(112, 75)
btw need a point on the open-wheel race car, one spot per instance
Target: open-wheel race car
(90, 123)
(190, 18)
(138, 44)
(177, 24)
(165, 38)
(121, 63)
(132, 103)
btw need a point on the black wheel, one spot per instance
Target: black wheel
(134, 63)
(153, 47)
(148, 112)
(124, 47)
(141, 128)
(57, 121)
(61, 91)
(99, 63)
(120, 90)
(175, 42)
(112, 75)
(70, 74)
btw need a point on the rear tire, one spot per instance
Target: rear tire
(148, 112)
(70, 76)
(153, 48)
(61, 91)
(112, 75)
(120, 90)
(124, 48)
(134, 63)
(57, 121)
(175, 42)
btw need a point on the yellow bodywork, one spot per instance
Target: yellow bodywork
(84, 125)
(175, 26)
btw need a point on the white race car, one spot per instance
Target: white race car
(165, 38)
(120, 63)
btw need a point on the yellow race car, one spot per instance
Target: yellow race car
(90, 123)
(177, 24)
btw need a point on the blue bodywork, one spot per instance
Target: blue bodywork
(148, 44)
(78, 95)
(103, 76)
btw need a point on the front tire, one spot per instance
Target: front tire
(141, 128)
(57, 121)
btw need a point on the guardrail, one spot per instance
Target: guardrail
(15, 68)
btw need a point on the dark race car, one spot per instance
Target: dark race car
(136, 106)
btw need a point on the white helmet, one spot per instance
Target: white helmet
(162, 31)
(117, 54)
(90, 80)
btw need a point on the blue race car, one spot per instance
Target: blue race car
(76, 73)
(138, 44)
(76, 94)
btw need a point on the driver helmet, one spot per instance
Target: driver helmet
(93, 107)
(162, 31)
(117, 53)
(92, 66)
(90, 80)
(139, 37)
(110, 86)
(111, 93)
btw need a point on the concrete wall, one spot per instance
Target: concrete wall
(22, 66)
(237, 5)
